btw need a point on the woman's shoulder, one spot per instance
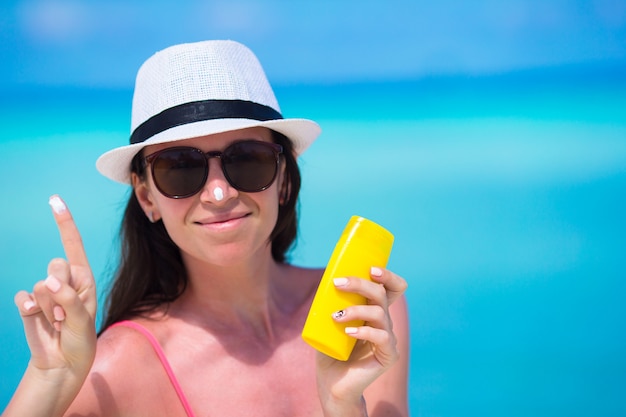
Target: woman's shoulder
(132, 342)
(307, 273)
(125, 363)
(121, 350)
(304, 278)
(121, 340)
(298, 285)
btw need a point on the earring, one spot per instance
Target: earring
(150, 216)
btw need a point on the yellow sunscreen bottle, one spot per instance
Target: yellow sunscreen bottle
(363, 244)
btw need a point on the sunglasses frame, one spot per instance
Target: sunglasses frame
(276, 149)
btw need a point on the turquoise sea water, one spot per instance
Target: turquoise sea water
(507, 196)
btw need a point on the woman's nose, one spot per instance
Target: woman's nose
(217, 190)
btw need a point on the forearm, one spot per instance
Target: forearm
(45, 393)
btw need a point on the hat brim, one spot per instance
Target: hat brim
(115, 164)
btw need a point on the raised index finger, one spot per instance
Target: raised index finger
(70, 237)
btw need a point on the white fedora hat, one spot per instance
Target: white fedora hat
(198, 89)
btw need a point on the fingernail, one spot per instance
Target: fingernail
(339, 314)
(58, 313)
(28, 304)
(376, 271)
(351, 330)
(58, 206)
(53, 284)
(340, 282)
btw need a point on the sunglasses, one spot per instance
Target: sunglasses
(249, 166)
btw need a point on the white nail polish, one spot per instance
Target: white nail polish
(340, 282)
(218, 193)
(57, 204)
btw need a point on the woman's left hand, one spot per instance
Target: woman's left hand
(341, 384)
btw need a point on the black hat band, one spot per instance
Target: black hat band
(197, 111)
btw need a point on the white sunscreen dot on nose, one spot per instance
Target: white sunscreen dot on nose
(218, 193)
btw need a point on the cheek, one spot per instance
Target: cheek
(173, 214)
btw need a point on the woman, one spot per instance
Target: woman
(204, 316)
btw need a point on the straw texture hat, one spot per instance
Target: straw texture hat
(199, 89)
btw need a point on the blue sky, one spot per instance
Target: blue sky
(102, 43)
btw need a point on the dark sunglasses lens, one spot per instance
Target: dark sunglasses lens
(179, 172)
(250, 166)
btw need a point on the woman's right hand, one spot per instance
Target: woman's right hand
(59, 323)
(379, 360)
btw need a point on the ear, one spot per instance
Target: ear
(145, 198)
(285, 192)
(284, 185)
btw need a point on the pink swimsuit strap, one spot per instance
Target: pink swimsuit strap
(166, 365)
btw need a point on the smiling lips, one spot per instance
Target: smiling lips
(221, 220)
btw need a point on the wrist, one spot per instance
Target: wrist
(345, 408)
(44, 392)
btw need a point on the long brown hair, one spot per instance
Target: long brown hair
(151, 273)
